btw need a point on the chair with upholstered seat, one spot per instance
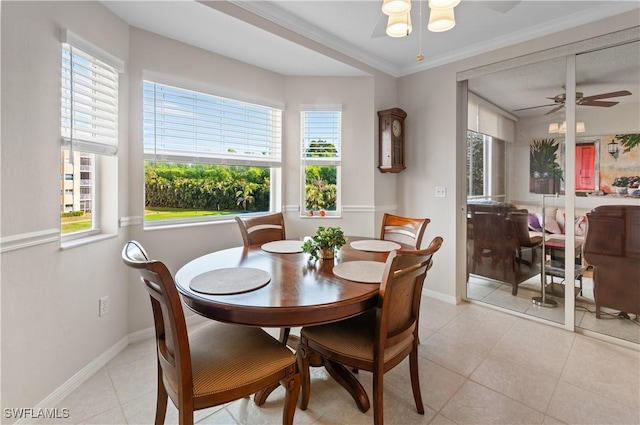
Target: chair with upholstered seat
(261, 229)
(379, 339)
(216, 364)
(404, 230)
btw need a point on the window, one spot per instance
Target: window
(485, 167)
(89, 130)
(207, 156)
(321, 155)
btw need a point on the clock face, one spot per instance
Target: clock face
(397, 128)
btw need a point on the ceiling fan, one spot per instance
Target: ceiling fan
(560, 100)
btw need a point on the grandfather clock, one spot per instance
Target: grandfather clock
(391, 140)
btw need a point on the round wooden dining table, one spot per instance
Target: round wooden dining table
(299, 293)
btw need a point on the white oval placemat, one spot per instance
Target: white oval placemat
(375, 245)
(283, 247)
(228, 281)
(360, 271)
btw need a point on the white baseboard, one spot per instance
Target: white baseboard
(73, 383)
(449, 299)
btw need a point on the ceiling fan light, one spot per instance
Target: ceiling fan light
(399, 25)
(580, 128)
(553, 127)
(395, 7)
(441, 20)
(443, 4)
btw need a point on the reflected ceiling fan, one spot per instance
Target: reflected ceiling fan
(595, 100)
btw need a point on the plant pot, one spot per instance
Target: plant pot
(633, 191)
(621, 190)
(544, 185)
(325, 254)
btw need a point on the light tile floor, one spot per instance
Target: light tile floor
(495, 293)
(477, 366)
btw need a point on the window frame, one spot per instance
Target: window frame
(89, 115)
(336, 160)
(272, 161)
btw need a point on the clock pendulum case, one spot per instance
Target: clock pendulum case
(391, 140)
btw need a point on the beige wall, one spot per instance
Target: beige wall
(50, 324)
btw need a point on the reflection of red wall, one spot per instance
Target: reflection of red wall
(627, 164)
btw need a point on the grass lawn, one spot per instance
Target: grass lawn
(75, 224)
(78, 224)
(168, 213)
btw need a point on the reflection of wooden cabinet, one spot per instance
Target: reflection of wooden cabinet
(391, 140)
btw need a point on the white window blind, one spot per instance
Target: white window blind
(89, 103)
(182, 125)
(321, 137)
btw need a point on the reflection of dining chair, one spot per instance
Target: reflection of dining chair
(379, 339)
(218, 363)
(494, 237)
(520, 225)
(261, 229)
(405, 230)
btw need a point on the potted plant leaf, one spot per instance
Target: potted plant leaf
(545, 172)
(324, 243)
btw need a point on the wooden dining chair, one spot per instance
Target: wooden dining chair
(258, 230)
(379, 339)
(404, 230)
(218, 363)
(261, 229)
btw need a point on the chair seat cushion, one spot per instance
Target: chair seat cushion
(226, 356)
(352, 337)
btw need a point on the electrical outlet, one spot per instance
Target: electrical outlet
(441, 192)
(104, 306)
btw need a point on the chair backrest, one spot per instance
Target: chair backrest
(520, 225)
(171, 329)
(404, 230)
(400, 294)
(492, 231)
(261, 229)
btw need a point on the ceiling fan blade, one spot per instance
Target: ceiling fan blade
(598, 103)
(556, 109)
(534, 107)
(606, 95)
(501, 6)
(380, 30)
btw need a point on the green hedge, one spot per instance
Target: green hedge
(206, 187)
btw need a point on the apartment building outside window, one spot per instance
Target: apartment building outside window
(89, 130)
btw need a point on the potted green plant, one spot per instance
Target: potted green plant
(545, 172)
(621, 183)
(633, 188)
(324, 243)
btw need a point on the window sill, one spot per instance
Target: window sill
(177, 224)
(86, 241)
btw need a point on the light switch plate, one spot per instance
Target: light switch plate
(441, 192)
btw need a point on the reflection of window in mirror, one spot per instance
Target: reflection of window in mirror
(587, 164)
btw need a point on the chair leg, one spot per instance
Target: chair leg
(378, 396)
(303, 366)
(415, 379)
(161, 399)
(291, 384)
